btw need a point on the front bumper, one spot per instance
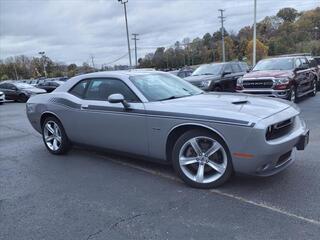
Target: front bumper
(271, 157)
(2, 98)
(267, 92)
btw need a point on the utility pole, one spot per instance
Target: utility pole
(15, 70)
(124, 2)
(92, 60)
(135, 46)
(254, 34)
(222, 18)
(43, 62)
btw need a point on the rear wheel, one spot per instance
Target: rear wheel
(201, 159)
(217, 89)
(23, 98)
(54, 136)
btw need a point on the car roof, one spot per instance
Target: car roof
(121, 73)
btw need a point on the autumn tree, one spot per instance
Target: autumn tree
(261, 50)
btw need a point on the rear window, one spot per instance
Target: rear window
(79, 89)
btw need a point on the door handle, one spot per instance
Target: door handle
(84, 106)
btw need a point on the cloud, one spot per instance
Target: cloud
(73, 30)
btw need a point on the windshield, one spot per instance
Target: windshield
(23, 85)
(161, 86)
(275, 64)
(208, 69)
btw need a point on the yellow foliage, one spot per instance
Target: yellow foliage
(261, 50)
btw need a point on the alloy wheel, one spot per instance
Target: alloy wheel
(52, 135)
(293, 95)
(203, 159)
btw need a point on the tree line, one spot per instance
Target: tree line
(289, 31)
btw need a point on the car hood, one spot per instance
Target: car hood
(201, 78)
(239, 107)
(269, 73)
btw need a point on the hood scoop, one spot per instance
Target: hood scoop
(240, 102)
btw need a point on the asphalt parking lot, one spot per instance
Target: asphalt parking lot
(91, 195)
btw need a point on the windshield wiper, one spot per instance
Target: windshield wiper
(174, 97)
(207, 74)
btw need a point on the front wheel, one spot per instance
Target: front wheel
(201, 159)
(314, 88)
(54, 136)
(292, 94)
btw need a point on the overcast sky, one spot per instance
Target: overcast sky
(73, 30)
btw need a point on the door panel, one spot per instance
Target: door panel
(110, 126)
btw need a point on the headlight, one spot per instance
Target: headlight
(240, 80)
(281, 80)
(205, 83)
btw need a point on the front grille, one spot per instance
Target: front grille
(257, 83)
(279, 129)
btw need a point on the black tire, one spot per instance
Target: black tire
(176, 165)
(314, 92)
(23, 98)
(217, 89)
(293, 90)
(65, 144)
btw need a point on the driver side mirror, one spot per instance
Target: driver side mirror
(118, 98)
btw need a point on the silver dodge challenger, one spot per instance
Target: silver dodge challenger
(160, 117)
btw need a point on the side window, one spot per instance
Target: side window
(79, 89)
(303, 61)
(227, 68)
(236, 68)
(101, 89)
(297, 63)
(4, 86)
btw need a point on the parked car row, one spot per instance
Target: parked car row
(18, 91)
(289, 77)
(218, 76)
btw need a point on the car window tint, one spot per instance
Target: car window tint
(297, 63)
(4, 86)
(79, 89)
(101, 89)
(227, 68)
(303, 61)
(236, 68)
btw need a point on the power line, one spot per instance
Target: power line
(222, 18)
(116, 60)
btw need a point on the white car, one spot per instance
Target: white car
(2, 98)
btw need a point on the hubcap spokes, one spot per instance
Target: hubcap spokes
(52, 135)
(202, 159)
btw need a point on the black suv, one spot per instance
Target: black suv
(218, 76)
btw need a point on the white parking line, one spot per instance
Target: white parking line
(229, 195)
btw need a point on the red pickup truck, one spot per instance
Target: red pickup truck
(288, 77)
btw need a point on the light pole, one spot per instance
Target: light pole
(254, 34)
(43, 62)
(135, 46)
(222, 35)
(124, 2)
